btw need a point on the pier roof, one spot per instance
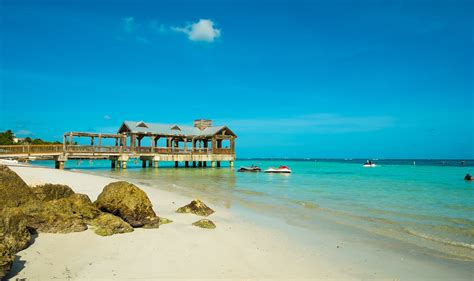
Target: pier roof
(141, 127)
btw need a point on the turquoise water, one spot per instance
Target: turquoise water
(428, 205)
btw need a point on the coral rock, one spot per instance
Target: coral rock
(204, 223)
(108, 224)
(50, 192)
(196, 207)
(129, 202)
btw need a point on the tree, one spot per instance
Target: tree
(6, 137)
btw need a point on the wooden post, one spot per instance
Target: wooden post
(176, 164)
(232, 144)
(194, 164)
(150, 163)
(184, 145)
(155, 164)
(92, 141)
(218, 164)
(113, 163)
(204, 163)
(143, 163)
(116, 141)
(213, 164)
(231, 163)
(124, 164)
(186, 164)
(70, 138)
(100, 140)
(200, 163)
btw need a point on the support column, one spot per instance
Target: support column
(218, 164)
(186, 164)
(199, 163)
(213, 164)
(205, 164)
(231, 164)
(112, 163)
(124, 164)
(155, 164)
(176, 163)
(143, 163)
(194, 164)
(92, 141)
(150, 163)
(100, 140)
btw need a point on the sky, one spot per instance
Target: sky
(324, 79)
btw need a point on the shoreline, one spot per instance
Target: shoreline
(244, 245)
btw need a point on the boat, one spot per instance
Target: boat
(250, 169)
(279, 170)
(367, 165)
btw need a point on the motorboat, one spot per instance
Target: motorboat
(369, 165)
(250, 169)
(279, 170)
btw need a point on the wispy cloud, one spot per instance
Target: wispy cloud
(107, 117)
(21, 133)
(129, 25)
(318, 123)
(203, 30)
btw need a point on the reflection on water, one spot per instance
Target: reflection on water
(427, 205)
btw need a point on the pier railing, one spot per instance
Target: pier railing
(58, 149)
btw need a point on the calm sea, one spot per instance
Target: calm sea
(426, 203)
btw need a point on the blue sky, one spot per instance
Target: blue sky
(385, 79)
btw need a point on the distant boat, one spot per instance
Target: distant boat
(279, 170)
(369, 165)
(250, 169)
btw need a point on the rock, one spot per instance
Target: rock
(14, 191)
(164, 221)
(50, 192)
(6, 261)
(204, 223)
(129, 202)
(196, 207)
(108, 224)
(14, 237)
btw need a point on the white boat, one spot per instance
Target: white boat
(367, 165)
(279, 170)
(9, 162)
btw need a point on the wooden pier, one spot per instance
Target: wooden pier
(192, 145)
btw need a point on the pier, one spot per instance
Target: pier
(201, 145)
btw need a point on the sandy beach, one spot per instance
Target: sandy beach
(243, 246)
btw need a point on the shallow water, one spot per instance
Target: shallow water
(428, 204)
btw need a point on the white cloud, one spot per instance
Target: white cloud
(107, 117)
(129, 25)
(203, 30)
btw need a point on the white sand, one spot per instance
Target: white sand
(242, 247)
(234, 250)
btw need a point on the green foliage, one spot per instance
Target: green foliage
(6, 137)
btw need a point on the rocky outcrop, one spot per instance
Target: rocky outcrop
(13, 190)
(14, 237)
(50, 192)
(108, 224)
(129, 202)
(204, 223)
(196, 207)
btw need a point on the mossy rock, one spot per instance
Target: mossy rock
(196, 207)
(14, 192)
(164, 221)
(129, 202)
(107, 224)
(14, 236)
(64, 215)
(204, 223)
(6, 260)
(48, 192)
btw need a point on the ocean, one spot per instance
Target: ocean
(425, 203)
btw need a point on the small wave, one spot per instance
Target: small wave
(250, 192)
(440, 240)
(308, 205)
